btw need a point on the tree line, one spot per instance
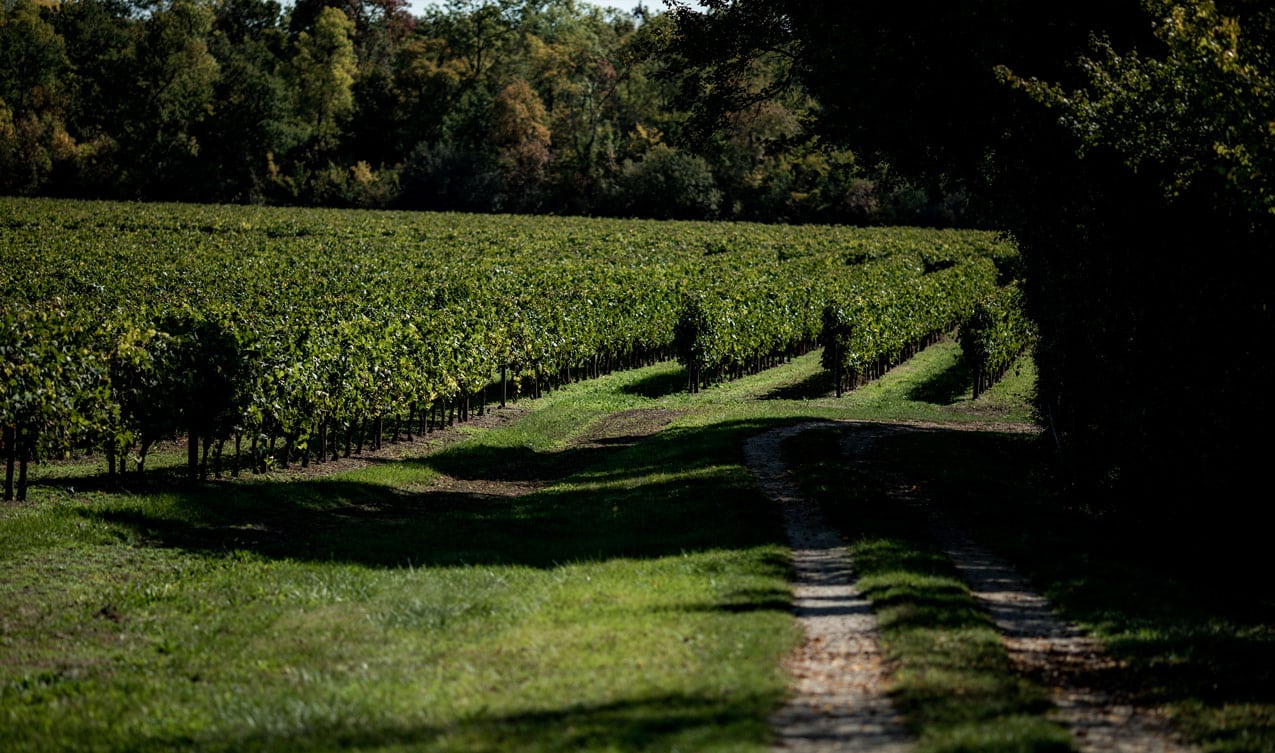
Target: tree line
(478, 105)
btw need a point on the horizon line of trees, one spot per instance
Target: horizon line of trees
(476, 105)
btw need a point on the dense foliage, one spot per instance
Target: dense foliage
(473, 105)
(126, 324)
(886, 316)
(1127, 146)
(995, 334)
(1149, 254)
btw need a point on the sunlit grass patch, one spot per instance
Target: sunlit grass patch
(632, 597)
(640, 607)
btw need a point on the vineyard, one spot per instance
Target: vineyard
(297, 336)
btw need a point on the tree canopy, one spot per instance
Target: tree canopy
(485, 105)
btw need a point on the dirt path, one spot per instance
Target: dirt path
(838, 702)
(1058, 655)
(1070, 664)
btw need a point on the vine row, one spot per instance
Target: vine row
(283, 336)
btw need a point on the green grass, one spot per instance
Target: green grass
(952, 679)
(933, 386)
(637, 602)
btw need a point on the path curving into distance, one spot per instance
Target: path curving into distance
(838, 700)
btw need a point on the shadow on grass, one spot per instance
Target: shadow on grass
(754, 600)
(664, 722)
(1184, 604)
(156, 478)
(658, 385)
(819, 384)
(953, 682)
(946, 386)
(676, 491)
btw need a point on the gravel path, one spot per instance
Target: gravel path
(1056, 654)
(838, 700)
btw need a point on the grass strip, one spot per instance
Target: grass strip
(636, 603)
(950, 677)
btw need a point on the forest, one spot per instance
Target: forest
(547, 107)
